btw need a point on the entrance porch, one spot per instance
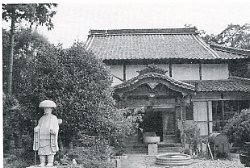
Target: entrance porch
(162, 122)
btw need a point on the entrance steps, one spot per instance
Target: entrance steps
(142, 148)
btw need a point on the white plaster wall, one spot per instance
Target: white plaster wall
(185, 71)
(131, 69)
(116, 70)
(179, 71)
(214, 71)
(200, 116)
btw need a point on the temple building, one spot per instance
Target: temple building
(172, 76)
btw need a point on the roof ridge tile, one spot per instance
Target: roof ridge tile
(191, 30)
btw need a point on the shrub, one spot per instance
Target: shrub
(96, 156)
(238, 128)
(11, 120)
(126, 123)
(14, 159)
(190, 134)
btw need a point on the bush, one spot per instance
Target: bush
(191, 135)
(96, 156)
(238, 128)
(14, 159)
(126, 123)
(11, 121)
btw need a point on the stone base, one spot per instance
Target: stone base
(152, 149)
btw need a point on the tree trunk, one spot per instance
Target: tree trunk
(12, 34)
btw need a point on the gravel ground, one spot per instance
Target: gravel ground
(144, 161)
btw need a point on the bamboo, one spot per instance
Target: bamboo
(210, 151)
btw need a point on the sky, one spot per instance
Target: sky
(74, 20)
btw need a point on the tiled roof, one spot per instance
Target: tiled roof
(233, 84)
(229, 52)
(180, 43)
(174, 82)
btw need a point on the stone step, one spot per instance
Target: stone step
(162, 148)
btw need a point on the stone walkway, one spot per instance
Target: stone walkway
(145, 161)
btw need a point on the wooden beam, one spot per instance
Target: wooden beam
(200, 72)
(222, 112)
(124, 72)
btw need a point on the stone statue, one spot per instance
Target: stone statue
(46, 134)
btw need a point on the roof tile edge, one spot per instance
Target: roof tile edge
(191, 30)
(230, 49)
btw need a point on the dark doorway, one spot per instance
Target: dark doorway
(152, 122)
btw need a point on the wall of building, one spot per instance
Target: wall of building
(185, 71)
(203, 111)
(116, 70)
(179, 71)
(214, 71)
(131, 69)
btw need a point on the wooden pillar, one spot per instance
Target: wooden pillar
(200, 72)
(208, 119)
(124, 72)
(222, 112)
(170, 70)
(238, 106)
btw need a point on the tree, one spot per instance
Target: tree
(80, 85)
(39, 14)
(27, 42)
(235, 36)
(78, 82)
(238, 37)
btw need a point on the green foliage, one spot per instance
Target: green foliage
(238, 128)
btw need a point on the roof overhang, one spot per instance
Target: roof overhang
(152, 80)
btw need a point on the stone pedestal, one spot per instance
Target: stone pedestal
(152, 149)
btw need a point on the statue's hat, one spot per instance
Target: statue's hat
(47, 103)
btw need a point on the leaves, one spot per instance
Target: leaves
(38, 14)
(238, 127)
(79, 84)
(233, 36)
